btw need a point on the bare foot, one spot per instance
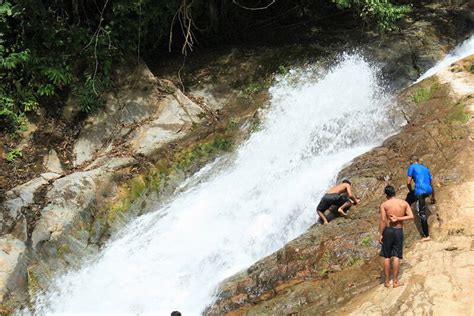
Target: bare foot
(325, 223)
(387, 284)
(341, 212)
(426, 238)
(397, 284)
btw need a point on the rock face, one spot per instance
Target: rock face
(20, 199)
(63, 218)
(58, 214)
(144, 115)
(12, 253)
(438, 275)
(52, 163)
(405, 56)
(70, 197)
(305, 276)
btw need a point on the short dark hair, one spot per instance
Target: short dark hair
(414, 157)
(175, 313)
(390, 191)
(346, 181)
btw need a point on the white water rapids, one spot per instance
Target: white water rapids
(174, 258)
(463, 50)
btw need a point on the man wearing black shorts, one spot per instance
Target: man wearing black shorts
(392, 214)
(339, 195)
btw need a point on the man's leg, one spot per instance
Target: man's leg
(386, 268)
(396, 267)
(421, 208)
(323, 217)
(343, 207)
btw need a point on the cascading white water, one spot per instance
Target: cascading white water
(461, 51)
(173, 258)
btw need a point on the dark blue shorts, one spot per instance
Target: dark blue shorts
(392, 243)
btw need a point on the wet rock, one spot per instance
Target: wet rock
(337, 261)
(12, 253)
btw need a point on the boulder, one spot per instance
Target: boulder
(70, 196)
(12, 254)
(145, 114)
(52, 163)
(23, 196)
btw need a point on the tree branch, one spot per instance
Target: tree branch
(254, 9)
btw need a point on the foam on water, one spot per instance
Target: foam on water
(174, 258)
(463, 50)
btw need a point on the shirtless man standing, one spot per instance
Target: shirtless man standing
(339, 195)
(392, 214)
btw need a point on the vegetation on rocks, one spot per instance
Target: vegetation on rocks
(157, 177)
(51, 49)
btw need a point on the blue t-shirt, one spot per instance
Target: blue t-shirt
(422, 177)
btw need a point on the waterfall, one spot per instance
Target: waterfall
(243, 207)
(463, 50)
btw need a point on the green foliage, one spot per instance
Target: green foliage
(188, 157)
(137, 187)
(457, 114)
(49, 49)
(421, 95)
(354, 261)
(12, 60)
(58, 76)
(383, 12)
(366, 241)
(13, 154)
(45, 49)
(255, 87)
(90, 94)
(8, 118)
(282, 69)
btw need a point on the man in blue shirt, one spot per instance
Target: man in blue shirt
(423, 188)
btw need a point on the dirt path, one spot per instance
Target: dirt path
(438, 275)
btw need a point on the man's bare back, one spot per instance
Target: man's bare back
(393, 209)
(340, 188)
(392, 214)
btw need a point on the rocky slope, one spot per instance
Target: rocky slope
(438, 274)
(327, 265)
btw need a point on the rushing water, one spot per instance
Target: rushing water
(173, 258)
(461, 51)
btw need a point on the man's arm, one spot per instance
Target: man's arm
(382, 222)
(433, 200)
(409, 179)
(408, 216)
(350, 195)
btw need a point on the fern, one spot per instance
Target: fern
(13, 60)
(46, 90)
(58, 76)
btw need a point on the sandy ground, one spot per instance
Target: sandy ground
(439, 274)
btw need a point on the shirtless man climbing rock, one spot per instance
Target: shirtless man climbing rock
(339, 195)
(392, 214)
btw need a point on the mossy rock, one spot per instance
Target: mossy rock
(457, 114)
